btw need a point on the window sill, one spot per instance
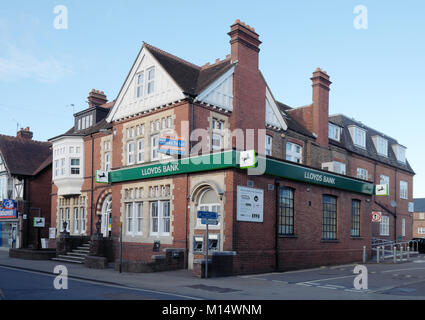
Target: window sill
(356, 238)
(329, 241)
(288, 236)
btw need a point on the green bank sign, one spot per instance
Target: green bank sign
(230, 159)
(216, 161)
(300, 173)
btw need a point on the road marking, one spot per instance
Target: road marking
(336, 278)
(103, 284)
(255, 278)
(303, 284)
(386, 271)
(357, 291)
(326, 287)
(335, 286)
(280, 281)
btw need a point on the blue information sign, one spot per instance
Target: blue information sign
(207, 215)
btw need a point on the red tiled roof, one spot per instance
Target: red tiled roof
(24, 156)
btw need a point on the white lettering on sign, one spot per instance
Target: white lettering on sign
(160, 169)
(319, 177)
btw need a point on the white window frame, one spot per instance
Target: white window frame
(140, 150)
(362, 174)
(130, 153)
(422, 215)
(292, 154)
(384, 226)
(74, 166)
(404, 190)
(68, 218)
(334, 132)
(382, 146)
(76, 221)
(421, 230)
(358, 136)
(154, 147)
(108, 161)
(139, 83)
(134, 218)
(150, 87)
(162, 219)
(269, 145)
(83, 219)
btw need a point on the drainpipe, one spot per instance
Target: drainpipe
(92, 184)
(276, 244)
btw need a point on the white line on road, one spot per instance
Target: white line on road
(303, 284)
(104, 284)
(386, 271)
(326, 287)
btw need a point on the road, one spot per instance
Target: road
(27, 285)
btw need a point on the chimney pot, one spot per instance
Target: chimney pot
(96, 98)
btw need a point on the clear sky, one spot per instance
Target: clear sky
(378, 73)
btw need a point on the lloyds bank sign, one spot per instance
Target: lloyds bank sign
(230, 159)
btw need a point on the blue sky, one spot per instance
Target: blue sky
(377, 74)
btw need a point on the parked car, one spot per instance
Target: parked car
(421, 244)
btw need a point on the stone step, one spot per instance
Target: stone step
(77, 254)
(81, 251)
(68, 256)
(68, 260)
(84, 248)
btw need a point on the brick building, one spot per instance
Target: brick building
(419, 218)
(26, 179)
(305, 204)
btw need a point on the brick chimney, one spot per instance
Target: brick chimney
(96, 98)
(245, 44)
(25, 133)
(320, 108)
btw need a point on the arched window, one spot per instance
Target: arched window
(106, 216)
(208, 201)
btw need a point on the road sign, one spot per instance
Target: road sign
(207, 215)
(209, 221)
(376, 216)
(247, 159)
(39, 222)
(102, 176)
(382, 190)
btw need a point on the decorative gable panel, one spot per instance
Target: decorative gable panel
(220, 92)
(144, 90)
(273, 116)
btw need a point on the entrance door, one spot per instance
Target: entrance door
(106, 216)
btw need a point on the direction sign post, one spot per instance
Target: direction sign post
(208, 218)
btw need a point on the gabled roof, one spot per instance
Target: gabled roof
(419, 205)
(191, 78)
(370, 152)
(102, 124)
(293, 124)
(24, 156)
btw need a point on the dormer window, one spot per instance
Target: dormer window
(334, 132)
(359, 136)
(381, 145)
(85, 122)
(400, 153)
(151, 80)
(140, 80)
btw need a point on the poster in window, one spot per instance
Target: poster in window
(250, 204)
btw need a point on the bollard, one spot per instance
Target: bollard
(395, 254)
(383, 253)
(401, 253)
(408, 252)
(377, 254)
(364, 254)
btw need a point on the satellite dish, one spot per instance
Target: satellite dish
(393, 204)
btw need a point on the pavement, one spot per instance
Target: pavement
(385, 281)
